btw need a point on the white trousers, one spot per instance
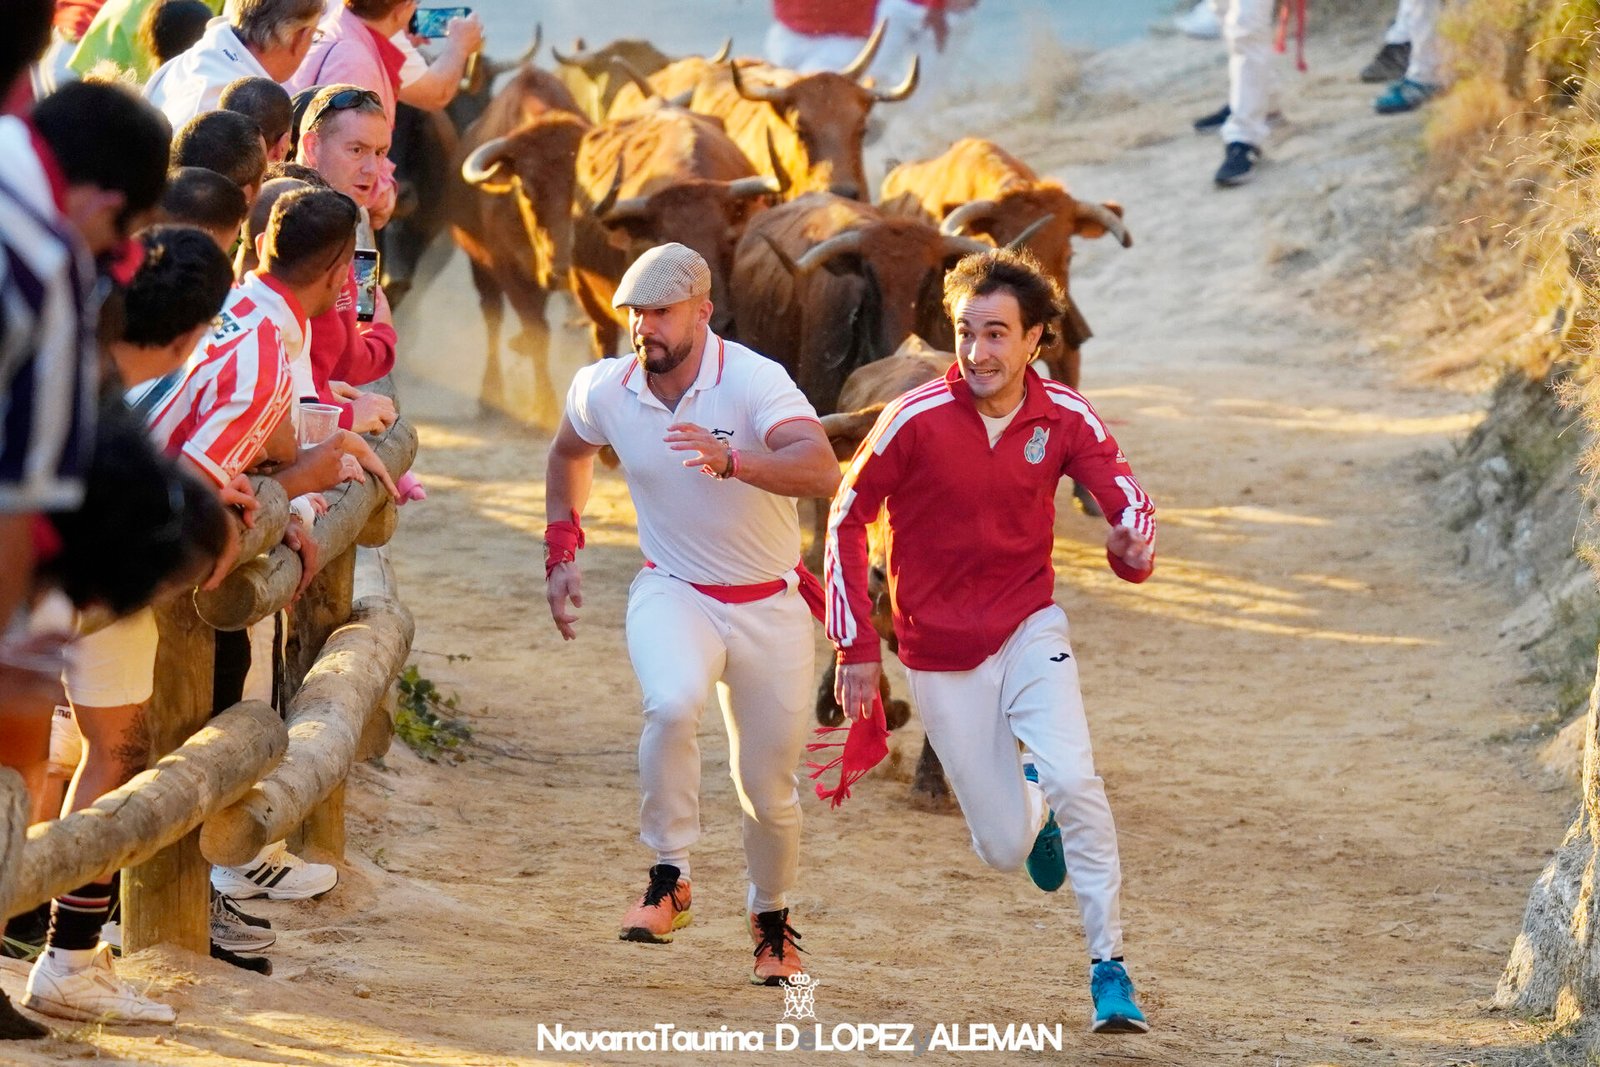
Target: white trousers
(760, 657)
(808, 54)
(1028, 692)
(1247, 29)
(1422, 28)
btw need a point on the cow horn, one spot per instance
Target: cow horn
(784, 181)
(721, 54)
(783, 257)
(965, 215)
(637, 78)
(869, 51)
(1109, 219)
(904, 89)
(681, 100)
(484, 163)
(837, 245)
(760, 185)
(580, 55)
(964, 246)
(1021, 239)
(609, 201)
(769, 93)
(493, 68)
(623, 210)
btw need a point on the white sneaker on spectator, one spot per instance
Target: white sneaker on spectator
(1200, 22)
(91, 992)
(230, 931)
(111, 934)
(276, 874)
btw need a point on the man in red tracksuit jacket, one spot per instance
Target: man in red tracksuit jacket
(967, 468)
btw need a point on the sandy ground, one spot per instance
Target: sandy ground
(1326, 851)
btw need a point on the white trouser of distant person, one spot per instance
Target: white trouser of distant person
(1422, 30)
(1248, 31)
(1028, 692)
(810, 54)
(760, 656)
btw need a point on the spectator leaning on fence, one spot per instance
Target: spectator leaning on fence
(44, 347)
(266, 103)
(207, 201)
(167, 308)
(47, 356)
(261, 38)
(226, 142)
(347, 146)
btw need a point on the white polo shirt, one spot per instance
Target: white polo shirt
(693, 526)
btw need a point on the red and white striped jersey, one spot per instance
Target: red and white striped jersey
(971, 528)
(227, 399)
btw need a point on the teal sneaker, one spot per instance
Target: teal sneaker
(1114, 1009)
(1047, 861)
(1404, 95)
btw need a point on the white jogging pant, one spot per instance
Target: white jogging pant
(1028, 692)
(1427, 57)
(760, 657)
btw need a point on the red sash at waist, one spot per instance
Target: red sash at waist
(810, 590)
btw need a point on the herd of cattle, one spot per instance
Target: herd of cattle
(564, 176)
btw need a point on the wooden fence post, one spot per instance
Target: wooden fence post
(323, 609)
(166, 899)
(14, 814)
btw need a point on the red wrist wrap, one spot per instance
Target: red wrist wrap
(561, 543)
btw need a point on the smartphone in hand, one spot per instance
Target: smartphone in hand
(366, 264)
(433, 21)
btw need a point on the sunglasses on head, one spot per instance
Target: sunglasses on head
(344, 100)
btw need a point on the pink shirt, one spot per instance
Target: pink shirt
(349, 52)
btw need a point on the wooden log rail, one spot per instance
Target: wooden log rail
(127, 826)
(265, 584)
(328, 719)
(245, 775)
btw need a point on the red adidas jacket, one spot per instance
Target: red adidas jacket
(970, 529)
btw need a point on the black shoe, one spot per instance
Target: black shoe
(1206, 123)
(1238, 166)
(259, 964)
(1389, 64)
(15, 1026)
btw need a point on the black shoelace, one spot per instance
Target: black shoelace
(776, 933)
(663, 883)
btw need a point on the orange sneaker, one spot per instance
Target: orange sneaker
(777, 955)
(663, 908)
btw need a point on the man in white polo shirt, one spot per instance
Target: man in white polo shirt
(715, 442)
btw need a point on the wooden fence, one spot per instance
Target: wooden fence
(222, 787)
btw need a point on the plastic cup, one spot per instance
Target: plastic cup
(318, 422)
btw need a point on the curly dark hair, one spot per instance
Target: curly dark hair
(1018, 273)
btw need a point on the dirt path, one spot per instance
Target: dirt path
(1326, 855)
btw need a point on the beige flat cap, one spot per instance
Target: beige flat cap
(667, 274)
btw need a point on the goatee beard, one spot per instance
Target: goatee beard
(665, 363)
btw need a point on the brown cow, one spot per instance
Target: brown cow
(665, 175)
(861, 401)
(978, 188)
(518, 189)
(818, 122)
(595, 76)
(826, 285)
